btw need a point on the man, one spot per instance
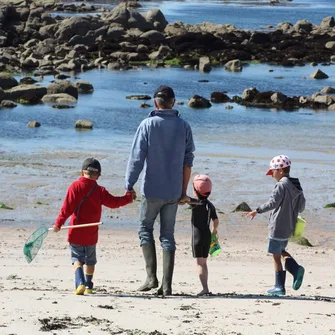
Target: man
(163, 146)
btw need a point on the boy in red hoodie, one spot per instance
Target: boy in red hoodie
(83, 202)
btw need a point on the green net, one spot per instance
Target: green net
(34, 243)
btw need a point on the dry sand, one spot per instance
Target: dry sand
(38, 297)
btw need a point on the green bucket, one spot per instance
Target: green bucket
(299, 227)
(214, 248)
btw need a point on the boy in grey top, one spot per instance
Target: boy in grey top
(163, 148)
(286, 202)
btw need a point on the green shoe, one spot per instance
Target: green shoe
(279, 288)
(297, 281)
(89, 291)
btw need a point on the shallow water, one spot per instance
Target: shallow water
(244, 14)
(252, 14)
(116, 118)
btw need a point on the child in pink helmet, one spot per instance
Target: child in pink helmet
(285, 203)
(203, 212)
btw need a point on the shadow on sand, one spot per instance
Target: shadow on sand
(220, 296)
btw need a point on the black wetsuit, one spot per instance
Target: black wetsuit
(202, 215)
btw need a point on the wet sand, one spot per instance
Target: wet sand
(39, 297)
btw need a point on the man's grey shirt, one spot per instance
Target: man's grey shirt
(162, 146)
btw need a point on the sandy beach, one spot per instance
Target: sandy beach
(38, 297)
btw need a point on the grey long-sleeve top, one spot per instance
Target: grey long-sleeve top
(286, 202)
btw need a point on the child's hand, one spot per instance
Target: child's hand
(251, 214)
(132, 193)
(184, 199)
(55, 229)
(214, 231)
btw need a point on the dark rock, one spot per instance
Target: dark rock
(204, 64)
(156, 18)
(249, 94)
(318, 74)
(84, 86)
(84, 124)
(33, 124)
(153, 36)
(198, 101)
(28, 81)
(7, 81)
(63, 86)
(8, 104)
(59, 98)
(327, 22)
(58, 106)
(138, 97)
(234, 65)
(26, 94)
(219, 97)
(62, 76)
(242, 207)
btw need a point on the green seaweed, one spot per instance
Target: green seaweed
(3, 206)
(173, 62)
(331, 205)
(242, 207)
(23, 101)
(301, 241)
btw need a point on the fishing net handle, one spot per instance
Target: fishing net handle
(80, 225)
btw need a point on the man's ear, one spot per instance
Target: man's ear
(174, 101)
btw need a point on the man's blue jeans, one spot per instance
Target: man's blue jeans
(167, 209)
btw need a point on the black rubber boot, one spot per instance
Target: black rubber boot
(279, 288)
(168, 266)
(296, 270)
(149, 253)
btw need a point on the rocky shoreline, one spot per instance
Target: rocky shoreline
(34, 40)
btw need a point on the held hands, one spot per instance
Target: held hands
(184, 199)
(133, 193)
(251, 214)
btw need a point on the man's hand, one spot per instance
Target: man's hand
(55, 229)
(133, 193)
(184, 199)
(251, 214)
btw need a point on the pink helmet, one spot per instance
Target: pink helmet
(278, 162)
(202, 184)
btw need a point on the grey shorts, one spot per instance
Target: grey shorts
(276, 247)
(83, 253)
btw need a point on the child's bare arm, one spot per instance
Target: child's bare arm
(215, 226)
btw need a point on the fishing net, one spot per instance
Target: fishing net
(34, 243)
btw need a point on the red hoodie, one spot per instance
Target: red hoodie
(90, 209)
